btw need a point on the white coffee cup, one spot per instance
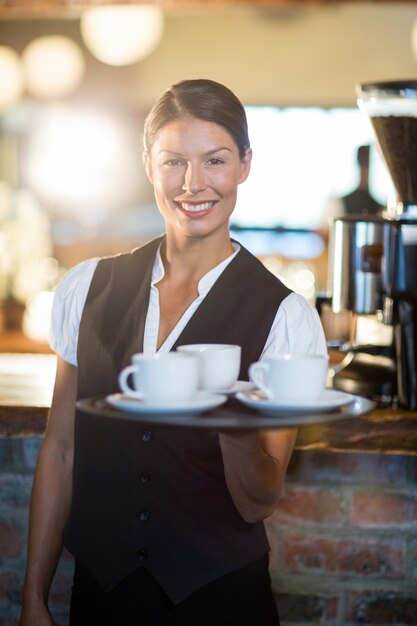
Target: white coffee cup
(161, 378)
(290, 377)
(219, 364)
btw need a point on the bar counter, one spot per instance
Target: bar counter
(343, 538)
(26, 389)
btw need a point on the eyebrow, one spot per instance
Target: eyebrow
(209, 153)
(217, 150)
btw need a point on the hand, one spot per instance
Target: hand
(255, 463)
(36, 616)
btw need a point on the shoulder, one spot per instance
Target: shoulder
(119, 273)
(121, 264)
(296, 303)
(297, 328)
(298, 311)
(69, 301)
(250, 266)
(76, 280)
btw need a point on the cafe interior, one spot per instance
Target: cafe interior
(76, 82)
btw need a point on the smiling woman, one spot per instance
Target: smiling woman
(190, 546)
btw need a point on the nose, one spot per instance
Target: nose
(194, 179)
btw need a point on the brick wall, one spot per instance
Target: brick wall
(17, 462)
(344, 540)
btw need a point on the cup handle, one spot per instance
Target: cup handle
(256, 375)
(123, 376)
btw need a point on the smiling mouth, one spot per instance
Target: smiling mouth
(194, 207)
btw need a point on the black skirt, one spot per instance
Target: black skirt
(241, 598)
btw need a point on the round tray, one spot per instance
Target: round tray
(231, 416)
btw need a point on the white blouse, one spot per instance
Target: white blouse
(296, 328)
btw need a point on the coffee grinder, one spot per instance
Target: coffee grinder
(373, 261)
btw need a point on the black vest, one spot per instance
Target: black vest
(157, 498)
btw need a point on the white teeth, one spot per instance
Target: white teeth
(196, 207)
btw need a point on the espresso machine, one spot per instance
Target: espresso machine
(373, 261)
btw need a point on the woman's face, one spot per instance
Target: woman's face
(195, 168)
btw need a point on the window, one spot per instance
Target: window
(303, 157)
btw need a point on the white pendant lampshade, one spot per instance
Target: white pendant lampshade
(11, 77)
(122, 34)
(54, 66)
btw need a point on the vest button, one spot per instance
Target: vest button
(144, 477)
(142, 554)
(144, 515)
(146, 436)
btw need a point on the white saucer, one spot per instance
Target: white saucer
(238, 386)
(330, 399)
(203, 401)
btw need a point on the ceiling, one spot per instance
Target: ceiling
(277, 52)
(44, 8)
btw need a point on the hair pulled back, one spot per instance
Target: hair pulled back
(200, 99)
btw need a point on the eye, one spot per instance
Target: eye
(173, 162)
(215, 161)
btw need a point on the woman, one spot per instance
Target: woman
(166, 525)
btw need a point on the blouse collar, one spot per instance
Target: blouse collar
(206, 282)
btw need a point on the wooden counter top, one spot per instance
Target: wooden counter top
(26, 382)
(385, 430)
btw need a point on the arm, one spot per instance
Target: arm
(255, 464)
(51, 497)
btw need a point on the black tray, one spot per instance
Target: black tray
(231, 416)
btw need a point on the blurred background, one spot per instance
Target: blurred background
(76, 82)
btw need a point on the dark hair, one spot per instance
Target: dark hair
(200, 99)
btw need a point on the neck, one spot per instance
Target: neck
(190, 258)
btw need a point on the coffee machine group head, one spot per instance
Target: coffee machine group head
(373, 259)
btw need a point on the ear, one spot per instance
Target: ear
(245, 165)
(147, 164)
